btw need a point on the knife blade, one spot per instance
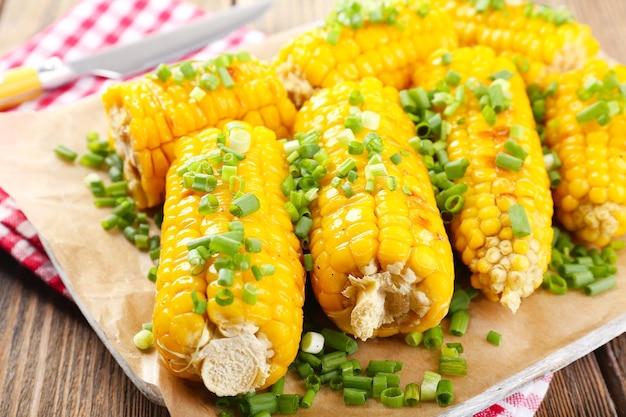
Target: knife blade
(25, 83)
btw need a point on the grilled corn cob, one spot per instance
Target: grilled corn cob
(364, 38)
(506, 262)
(382, 262)
(233, 315)
(539, 38)
(591, 198)
(146, 116)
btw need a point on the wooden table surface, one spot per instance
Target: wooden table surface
(53, 364)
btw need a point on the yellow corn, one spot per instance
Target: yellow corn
(506, 268)
(591, 198)
(385, 40)
(147, 115)
(242, 346)
(382, 259)
(540, 39)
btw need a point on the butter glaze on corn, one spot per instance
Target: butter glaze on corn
(146, 116)
(591, 198)
(386, 51)
(504, 267)
(382, 260)
(239, 347)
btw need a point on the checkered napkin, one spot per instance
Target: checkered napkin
(95, 24)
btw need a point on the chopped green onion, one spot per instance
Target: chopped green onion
(592, 112)
(433, 338)
(453, 78)
(65, 153)
(288, 403)
(244, 205)
(357, 381)
(143, 339)
(332, 37)
(340, 341)
(460, 301)
(224, 297)
(446, 58)
(91, 160)
(414, 338)
(503, 74)
(354, 123)
(515, 149)
(356, 98)
(352, 396)
(392, 397)
(376, 366)
(370, 120)
(429, 385)
(453, 366)
(199, 305)
(105, 202)
(265, 402)
(240, 140)
(459, 322)
(600, 285)
(197, 93)
(208, 81)
(411, 395)
(379, 384)
(332, 360)
(249, 294)
(225, 77)
(444, 395)
(519, 221)
(456, 169)
(508, 161)
(163, 72)
(494, 337)
(307, 399)
(312, 342)
(187, 69)
(489, 114)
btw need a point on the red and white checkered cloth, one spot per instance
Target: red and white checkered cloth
(95, 24)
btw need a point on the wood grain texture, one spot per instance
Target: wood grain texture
(52, 363)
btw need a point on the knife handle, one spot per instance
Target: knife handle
(18, 85)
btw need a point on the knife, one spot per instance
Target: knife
(25, 83)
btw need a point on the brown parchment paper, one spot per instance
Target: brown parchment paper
(107, 279)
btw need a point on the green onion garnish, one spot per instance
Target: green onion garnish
(452, 366)
(392, 397)
(519, 221)
(143, 339)
(249, 294)
(429, 385)
(224, 297)
(508, 161)
(199, 306)
(459, 322)
(352, 396)
(592, 112)
(340, 341)
(600, 285)
(163, 72)
(225, 77)
(494, 337)
(187, 69)
(65, 153)
(246, 204)
(444, 395)
(433, 338)
(503, 75)
(414, 338)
